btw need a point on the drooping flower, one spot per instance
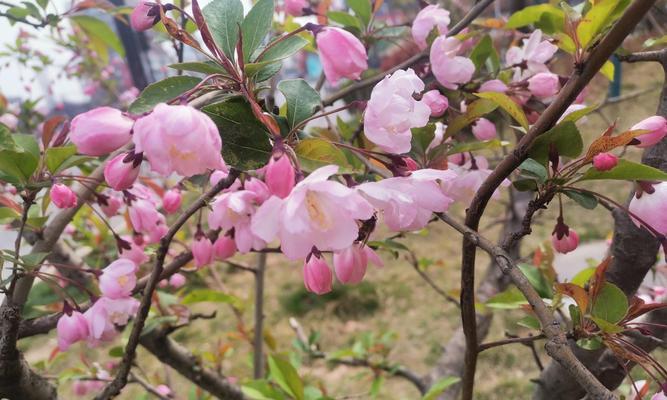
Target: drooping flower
(224, 247)
(145, 15)
(392, 111)
(120, 174)
(178, 139)
(202, 251)
(484, 129)
(427, 19)
(436, 102)
(118, 279)
(544, 85)
(317, 213)
(105, 314)
(470, 177)
(317, 276)
(235, 210)
(113, 203)
(650, 207)
(135, 253)
(295, 7)
(449, 68)
(171, 201)
(657, 126)
(71, 329)
(350, 264)
(146, 219)
(564, 239)
(280, 176)
(62, 196)
(342, 54)
(534, 53)
(604, 161)
(100, 131)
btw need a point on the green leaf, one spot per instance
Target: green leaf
(8, 213)
(315, 152)
(533, 169)
(509, 299)
(284, 374)
(261, 390)
(475, 110)
(465, 147)
(284, 48)
(116, 351)
(586, 200)
(56, 156)
(627, 171)
(508, 105)
(600, 16)
(532, 14)
(484, 51)
(583, 276)
(34, 259)
(256, 26)
(608, 70)
(345, 19)
(606, 326)
(209, 295)
(529, 322)
(592, 343)
(575, 314)
(224, 18)
(610, 304)
(525, 185)
(19, 156)
(537, 280)
(564, 136)
(577, 115)
(437, 388)
(362, 9)
(206, 67)
(267, 72)
(421, 139)
(98, 29)
(245, 141)
(161, 92)
(302, 100)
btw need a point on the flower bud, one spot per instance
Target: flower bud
(177, 280)
(657, 126)
(171, 201)
(317, 276)
(135, 253)
(484, 129)
(202, 251)
(436, 102)
(9, 120)
(280, 176)
(118, 279)
(429, 18)
(164, 390)
(604, 161)
(650, 207)
(544, 85)
(71, 329)
(295, 7)
(494, 85)
(62, 196)
(119, 174)
(342, 54)
(144, 16)
(564, 239)
(224, 247)
(100, 131)
(113, 204)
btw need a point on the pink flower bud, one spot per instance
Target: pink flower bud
(80, 388)
(146, 219)
(350, 264)
(658, 129)
(484, 129)
(171, 201)
(650, 207)
(163, 284)
(295, 7)
(9, 120)
(259, 188)
(566, 243)
(136, 253)
(177, 280)
(224, 247)
(436, 102)
(163, 390)
(118, 279)
(426, 20)
(100, 131)
(144, 16)
(317, 276)
(71, 329)
(120, 175)
(202, 251)
(604, 161)
(62, 196)
(494, 85)
(544, 85)
(342, 54)
(114, 203)
(280, 176)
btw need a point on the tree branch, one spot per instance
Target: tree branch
(258, 340)
(512, 340)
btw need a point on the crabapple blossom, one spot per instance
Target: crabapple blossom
(145, 218)
(657, 126)
(392, 111)
(317, 213)
(113, 203)
(100, 131)
(543, 85)
(118, 279)
(135, 253)
(494, 85)
(177, 280)
(350, 264)
(564, 239)
(105, 314)
(604, 161)
(120, 174)
(449, 68)
(342, 54)
(534, 53)
(9, 120)
(484, 129)
(171, 201)
(224, 247)
(295, 7)
(436, 102)
(144, 16)
(469, 177)
(234, 210)
(164, 390)
(71, 329)
(62, 196)
(317, 276)
(202, 251)
(280, 176)
(649, 206)
(427, 19)
(259, 188)
(178, 139)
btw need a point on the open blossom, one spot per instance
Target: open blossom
(350, 264)
(135, 253)
(119, 174)
(436, 102)
(650, 207)
(178, 139)
(295, 7)
(71, 329)
(449, 68)
(202, 251)
(317, 276)
(657, 126)
(429, 17)
(342, 54)
(604, 161)
(535, 53)
(280, 176)
(105, 314)
(470, 177)
(145, 218)
(235, 210)
(392, 111)
(224, 247)
(484, 129)
(118, 279)
(62, 196)
(318, 212)
(544, 85)
(171, 201)
(100, 131)
(113, 203)
(145, 15)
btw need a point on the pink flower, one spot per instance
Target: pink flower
(235, 210)
(470, 177)
(436, 102)
(259, 188)
(100, 131)
(114, 203)
(62, 196)
(650, 207)
(178, 139)
(146, 219)
(224, 247)
(350, 264)
(429, 17)
(564, 240)
(341, 53)
(449, 68)
(494, 85)
(144, 16)
(118, 279)
(659, 396)
(295, 7)
(119, 174)
(171, 201)
(9, 120)
(128, 96)
(535, 53)
(484, 129)
(658, 129)
(202, 251)
(177, 280)
(80, 388)
(164, 390)
(71, 329)
(318, 212)
(392, 111)
(317, 276)
(105, 314)
(604, 161)
(280, 176)
(136, 252)
(544, 85)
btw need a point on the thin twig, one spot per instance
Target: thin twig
(258, 340)
(149, 388)
(415, 264)
(512, 340)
